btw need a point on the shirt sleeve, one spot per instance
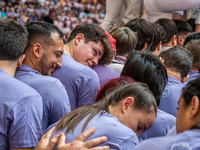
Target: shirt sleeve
(175, 5)
(88, 87)
(59, 101)
(26, 122)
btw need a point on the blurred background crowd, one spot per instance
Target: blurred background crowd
(65, 14)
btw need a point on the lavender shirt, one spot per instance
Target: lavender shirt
(171, 95)
(188, 140)
(20, 114)
(120, 58)
(163, 123)
(55, 99)
(80, 81)
(105, 74)
(193, 74)
(120, 137)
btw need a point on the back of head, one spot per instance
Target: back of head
(191, 21)
(13, 40)
(147, 68)
(160, 36)
(126, 40)
(96, 34)
(184, 28)
(143, 97)
(194, 47)
(112, 85)
(178, 59)
(144, 32)
(41, 32)
(169, 27)
(192, 36)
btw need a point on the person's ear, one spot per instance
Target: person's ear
(79, 38)
(185, 79)
(174, 40)
(145, 46)
(20, 61)
(180, 41)
(159, 46)
(194, 106)
(37, 50)
(127, 104)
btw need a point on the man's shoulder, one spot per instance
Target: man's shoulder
(73, 69)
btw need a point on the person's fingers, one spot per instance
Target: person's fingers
(85, 134)
(61, 140)
(101, 148)
(48, 134)
(95, 141)
(52, 143)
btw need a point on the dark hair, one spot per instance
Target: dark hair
(178, 59)
(194, 47)
(143, 100)
(184, 28)
(191, 21)
(160, 35)
(146, 68)
(169, 27)
(192, 36)
(126, 40)
(190, 90)
(96, 34)
(41, 32)
(144, 31)
(112, 85)
(13, 40)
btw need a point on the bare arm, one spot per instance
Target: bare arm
(77, 144)
(173, 5)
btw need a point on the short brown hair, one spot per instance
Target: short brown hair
(94, 33)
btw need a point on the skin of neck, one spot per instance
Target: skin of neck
(114, 110)
(173, 74)
(8, 66)
(68, 49)
(30, 60)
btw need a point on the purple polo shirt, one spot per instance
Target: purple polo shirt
(187, 140)
(120, 137)
(163, 123)
(80, 81)
(105, 74)
(55, 99)
(170, 96)
(20, 114)
(193, 74)
(120, 59)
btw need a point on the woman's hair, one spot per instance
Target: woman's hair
(147, 68)
(190, 90)
(126, 40)
(112, 85)
(143, 100)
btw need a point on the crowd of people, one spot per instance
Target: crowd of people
(64, 14)
(118, 81)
